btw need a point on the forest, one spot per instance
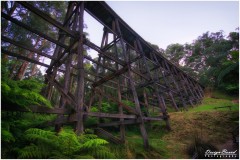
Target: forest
(212, 59)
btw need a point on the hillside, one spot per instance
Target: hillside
(205, 123)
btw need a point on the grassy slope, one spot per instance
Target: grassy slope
(210, 124)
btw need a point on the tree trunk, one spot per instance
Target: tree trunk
(25, 64)
(33, 72)
(34, 68)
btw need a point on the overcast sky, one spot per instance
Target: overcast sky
(165, 23)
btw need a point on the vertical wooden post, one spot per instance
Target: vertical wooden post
(80, 75)
(134, 92)
(195, 89)
(182, 84)
(58, 50)
(146, 101)
(122, 126)
(166, 82)
(188, 86)
(65, 89)
(92, 95)
(160, 98)
(165, 65)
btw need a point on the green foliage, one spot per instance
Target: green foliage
(23, 93)
(47, 144)
(212, 59)
(33, 151)
(128, 103)
(92, 143)
(7, 135)
(212, 104)
(227, 78)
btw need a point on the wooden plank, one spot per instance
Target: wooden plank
(129, 122)
(34, 109)
(46, 17)
(80, 74)
(25, 47)
(175, 83)
(23, 58)
(70, 12)
(110, 77)
(68, 95)
(111, 44)
(98, 63)
(99, 50)
(134, 92)
(117, 123)
(33, 30)
(43, 109)
(39, 63)
(140, 74)
(59, 61)
(66, 89)
(153, 118)
(129, 109)
(109, 115)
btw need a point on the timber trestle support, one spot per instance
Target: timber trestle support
(127, 69)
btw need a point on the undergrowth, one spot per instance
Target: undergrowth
(21, 139)
(23, 93)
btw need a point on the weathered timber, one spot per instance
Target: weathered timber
(25, 47)
(129, 109)
(23, 57)
(139, 72)
(134, 92)
(80, 78)
(46, 17)
(33, 30)
(109, 77)
(104, 134)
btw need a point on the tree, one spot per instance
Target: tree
(175, 53)
(211, 58)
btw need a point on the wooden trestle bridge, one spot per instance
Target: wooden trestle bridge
(140, 73)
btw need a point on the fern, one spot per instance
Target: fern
(93, 143)
(86, 137)
(35, 134)
(33, 151)
(7, 136)
(46, 144)
(96, 147)
(68, 141)
(102, 152)
(23, 93)
(31, 84)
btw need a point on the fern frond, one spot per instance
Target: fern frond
(7, 136)
(86, 137)
(41, 137)
(33, 151)
(94, 143)
(68, 142)
(102, 152)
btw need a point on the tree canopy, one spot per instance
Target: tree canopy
(212, 59)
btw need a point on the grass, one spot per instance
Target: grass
(212, 125)
(212, 104)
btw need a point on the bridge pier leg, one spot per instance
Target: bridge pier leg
(80, 75)
(134, 92)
